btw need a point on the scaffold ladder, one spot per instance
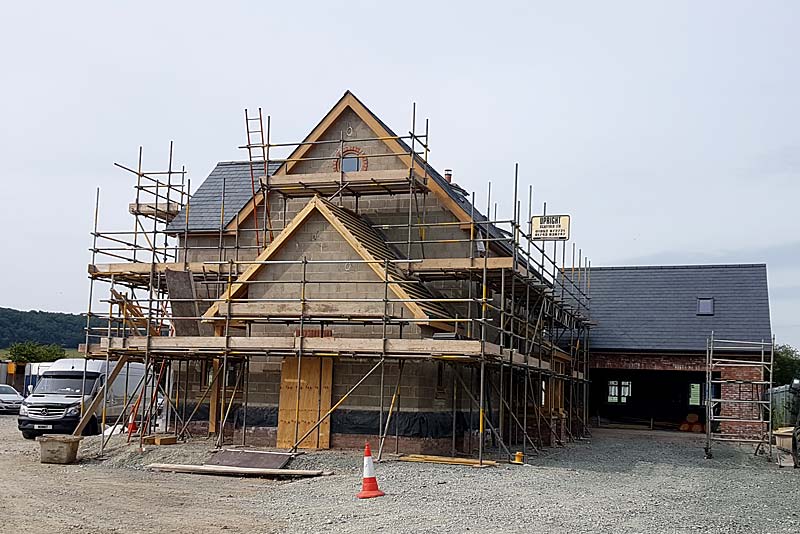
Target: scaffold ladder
(258, 155)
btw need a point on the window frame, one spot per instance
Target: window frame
(351, 157)
(619, 391)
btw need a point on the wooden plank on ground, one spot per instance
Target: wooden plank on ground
(235, 471)
(249, 458)
(166, 440)
(427, 458)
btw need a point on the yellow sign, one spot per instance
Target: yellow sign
(550, 227)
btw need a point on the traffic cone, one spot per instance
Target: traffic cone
(369, 485)
(132, 424)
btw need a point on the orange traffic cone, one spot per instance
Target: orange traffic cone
(132, 424)
(369, 485)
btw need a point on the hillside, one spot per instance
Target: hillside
(65, 329)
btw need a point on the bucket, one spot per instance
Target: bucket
(59, 449)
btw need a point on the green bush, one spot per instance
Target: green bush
(31, 351)
(786, 366)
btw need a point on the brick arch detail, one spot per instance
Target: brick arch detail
(350, 151)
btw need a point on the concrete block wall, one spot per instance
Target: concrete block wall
(419, 390)
(348, 127)
(317, 240)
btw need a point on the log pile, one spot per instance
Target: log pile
(692, 424)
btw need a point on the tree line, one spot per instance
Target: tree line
(46, 328)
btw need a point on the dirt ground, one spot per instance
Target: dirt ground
(620, 481)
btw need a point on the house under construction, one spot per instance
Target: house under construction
(339, 289)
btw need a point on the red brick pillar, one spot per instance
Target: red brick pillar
(741, 389)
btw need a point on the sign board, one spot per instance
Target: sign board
(550, 227)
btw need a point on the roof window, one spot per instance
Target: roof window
(705, 306)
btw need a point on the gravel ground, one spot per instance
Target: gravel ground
(621, 481)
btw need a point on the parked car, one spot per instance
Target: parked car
(10, 399)
(54, 406)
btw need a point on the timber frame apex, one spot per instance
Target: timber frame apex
(417, 167)
(346, 225)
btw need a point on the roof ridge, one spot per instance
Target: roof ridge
(680, 266)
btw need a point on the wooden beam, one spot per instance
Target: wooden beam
(102, 270)
(493, 263)
(430, 347)
(88, 411)
(369, 310)
(161, 210)
(214, 404)
(371, 179)
(235, 471)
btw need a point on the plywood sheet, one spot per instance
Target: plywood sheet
(295, 419)
(183, 302)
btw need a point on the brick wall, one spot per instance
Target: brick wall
(651, 362)
(697, 362)
(737, 390)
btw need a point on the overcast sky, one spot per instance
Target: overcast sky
(669, 130)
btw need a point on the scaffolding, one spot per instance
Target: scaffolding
(494, 305)
(739, 393)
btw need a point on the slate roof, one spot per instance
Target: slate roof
(206, 202)
(655, 308)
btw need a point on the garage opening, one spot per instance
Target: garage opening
(655, 399)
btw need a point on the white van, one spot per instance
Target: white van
(54, 406)
(33, 371)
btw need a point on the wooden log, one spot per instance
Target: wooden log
(225, 470)
(692, 418)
